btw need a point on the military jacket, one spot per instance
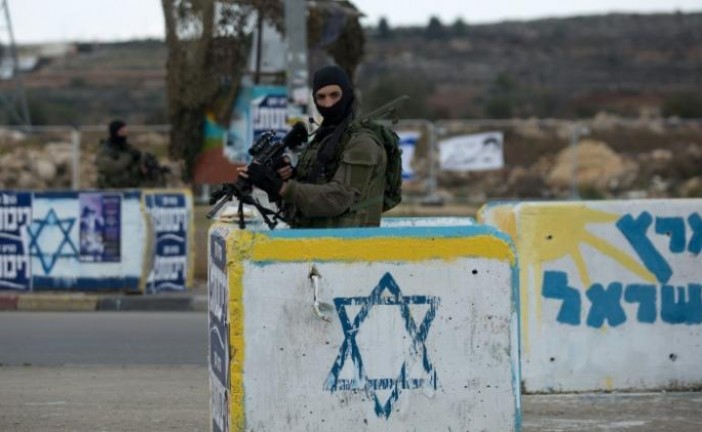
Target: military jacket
(351, 192)
(117, 167)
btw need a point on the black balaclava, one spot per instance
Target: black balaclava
(115, 126)
(336, 117)
(334, 75)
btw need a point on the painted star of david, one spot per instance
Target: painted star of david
(65, 249)
(386, 293)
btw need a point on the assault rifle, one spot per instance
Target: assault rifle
(265, 152)
(387, 111)
(155, 172)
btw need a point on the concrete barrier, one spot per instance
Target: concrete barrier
(390, 329)
(611, 293)
(126, 240)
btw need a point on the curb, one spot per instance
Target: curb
(55, 303)
(81, 302)
(131, 303)
(8, 302)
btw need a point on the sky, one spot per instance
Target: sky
(111, 20)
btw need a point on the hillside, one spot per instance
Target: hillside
(546, 68)
(600, 68)
(571, 67)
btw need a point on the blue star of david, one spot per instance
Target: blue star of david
(65, 249)
(349, 348)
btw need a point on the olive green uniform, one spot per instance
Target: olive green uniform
(350, 196)
(118, 166)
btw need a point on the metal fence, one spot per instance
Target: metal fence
(647, 156)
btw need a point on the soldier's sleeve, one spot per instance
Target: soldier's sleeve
(109, 165)
(350, 180)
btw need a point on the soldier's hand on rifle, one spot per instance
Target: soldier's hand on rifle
(284, 168)
(265, 179)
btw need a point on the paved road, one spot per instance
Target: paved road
(147, 372)
(103, 338)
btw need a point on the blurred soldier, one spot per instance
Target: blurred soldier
(120, 165)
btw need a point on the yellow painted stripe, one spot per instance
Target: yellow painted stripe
(375, 249)
(237, 418)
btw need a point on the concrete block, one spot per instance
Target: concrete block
(611, 293)
(389, 329)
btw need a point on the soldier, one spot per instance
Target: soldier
(120, 165)
(339, 180)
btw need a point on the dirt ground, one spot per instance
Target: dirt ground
(158, 398)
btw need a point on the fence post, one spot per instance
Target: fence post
(576, 131)
(75, 139)
(432, 197)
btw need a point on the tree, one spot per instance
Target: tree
(435, 30)
(392, 85)
(384, 31)
(208, 43)
(208, 47)
(459, 27)
(347, 45)
(685, 105)
(502, 97)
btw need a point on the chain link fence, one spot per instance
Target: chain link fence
(615, 158)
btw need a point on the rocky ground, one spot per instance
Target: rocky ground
(45, 160)
(646, 158)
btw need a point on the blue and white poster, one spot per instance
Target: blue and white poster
(258, 109)
(15, 216)
(218, 287)
(408, 144)
(169, 219)
(100, 223)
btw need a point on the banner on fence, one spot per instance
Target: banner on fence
(477, 152)
(408, 144)
(95, 241)
(15, 217)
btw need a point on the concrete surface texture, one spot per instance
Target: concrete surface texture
(417, 330)
(175, 399)
(611, 293)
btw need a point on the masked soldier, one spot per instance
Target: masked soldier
(339, 180)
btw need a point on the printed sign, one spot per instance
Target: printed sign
(408, 144)
(217, 286)
(100, 227)
(478, 152)
(257, 110)
(169, 217)
(15, 215)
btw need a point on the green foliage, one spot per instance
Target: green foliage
(391, 86)
(384, 30)
(499, 107)
(459, 27)
(685, 105)
(435, 29)
(590, 192)
(502, 98)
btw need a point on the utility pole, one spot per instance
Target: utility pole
(297, 75)
(12, 95)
